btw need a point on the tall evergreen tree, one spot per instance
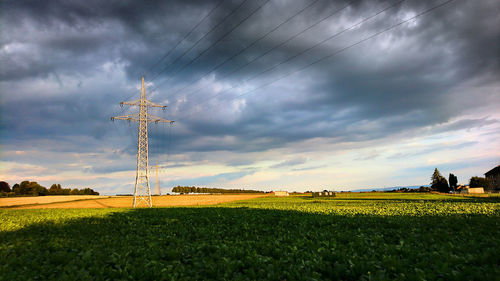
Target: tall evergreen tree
(438, 182)
(452, 179)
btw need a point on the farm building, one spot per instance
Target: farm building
(472, 190)
(281, 193)
(493, 176)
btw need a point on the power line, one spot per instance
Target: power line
(280, 44)
(186, 36)
(325, 40)
(333, 54)
(248, 47)
(309, 48)
(218, 40)
(199, 40)
(180, 41)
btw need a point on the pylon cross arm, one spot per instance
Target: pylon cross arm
(153, 104)
(129, 117)
(156, 119)
(146, 102)
(135, 117)
(134, 102)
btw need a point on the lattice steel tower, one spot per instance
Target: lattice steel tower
(142, 191)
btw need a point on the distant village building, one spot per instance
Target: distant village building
(472, 190)
(493, 176)
(281, 193)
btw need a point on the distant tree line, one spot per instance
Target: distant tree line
(194, 189)
(406, 189)
(439, 183)
(32, 188)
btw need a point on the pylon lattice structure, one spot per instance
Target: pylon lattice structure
(142, 191)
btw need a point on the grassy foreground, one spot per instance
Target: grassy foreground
(351, 237)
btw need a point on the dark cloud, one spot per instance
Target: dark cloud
(403, 80)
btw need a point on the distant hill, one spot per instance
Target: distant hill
(387, 188)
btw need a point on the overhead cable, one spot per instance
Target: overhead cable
(333, 54)
(200, 39)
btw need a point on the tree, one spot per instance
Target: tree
(75, 192)
(4, 187)
(424, 189)
(30, 188)
(479, 182)
(65, 191)
(55, 189)
(452, 179)
(88, 191)
(438, 182)
(16, 189)
(24, 188)
(194, 189)
(34, 189)
(38, 190)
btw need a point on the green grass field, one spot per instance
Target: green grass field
(366, 236)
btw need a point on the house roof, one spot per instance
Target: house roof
(493, 171)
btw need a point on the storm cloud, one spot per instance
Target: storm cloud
(239, 88)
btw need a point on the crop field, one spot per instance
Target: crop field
(37, 200)
(92, 201)
(350, 237)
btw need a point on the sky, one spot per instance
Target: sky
(266, 94)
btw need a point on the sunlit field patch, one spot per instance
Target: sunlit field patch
(124, 201)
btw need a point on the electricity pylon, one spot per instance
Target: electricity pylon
(142, 191)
